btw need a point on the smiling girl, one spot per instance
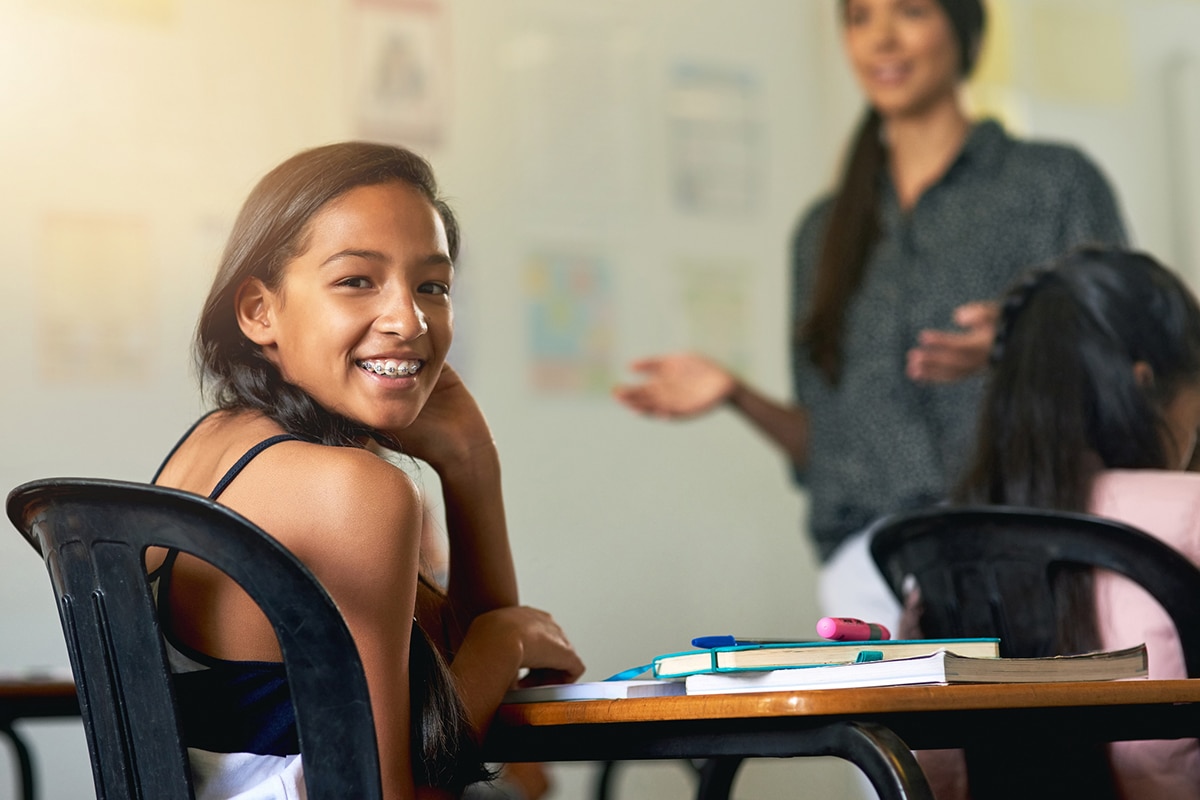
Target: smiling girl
(323, 339)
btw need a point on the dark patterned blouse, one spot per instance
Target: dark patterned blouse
(878, 441)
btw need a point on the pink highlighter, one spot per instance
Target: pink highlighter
(848, 629)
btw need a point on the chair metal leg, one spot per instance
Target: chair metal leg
(24, 762)
(604, 779)
(881, 754)
(716, 777)
(888, 763)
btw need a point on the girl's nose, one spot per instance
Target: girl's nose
(402, 316)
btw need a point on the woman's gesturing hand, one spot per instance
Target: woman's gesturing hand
(677, 386)
(947, 356)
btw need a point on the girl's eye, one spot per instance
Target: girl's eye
(355, 282)
(434, 287)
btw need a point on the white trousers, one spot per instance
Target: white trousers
(849, 585)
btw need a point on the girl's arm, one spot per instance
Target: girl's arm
(491, 637)
(453, 437)
(355, 521)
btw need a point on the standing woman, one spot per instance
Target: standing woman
(893, 276)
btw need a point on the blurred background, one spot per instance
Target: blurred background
(627, 174)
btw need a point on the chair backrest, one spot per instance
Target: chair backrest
(969, 561)
(93, 535)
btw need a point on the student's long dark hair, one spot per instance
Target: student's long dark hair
(853, 226)
(270, 230)
(1063, 400)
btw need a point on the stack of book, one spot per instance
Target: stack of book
(735, 658)
(797, 666)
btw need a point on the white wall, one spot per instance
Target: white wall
(156, 117)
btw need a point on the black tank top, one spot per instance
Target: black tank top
(227, 706)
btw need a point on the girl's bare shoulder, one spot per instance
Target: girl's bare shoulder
(337, 488)
(324, 503)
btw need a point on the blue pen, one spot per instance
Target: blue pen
(708, 642)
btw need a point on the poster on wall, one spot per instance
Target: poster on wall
(399, 70)
(715, 298)
(96, 294)
(568, 300)
(572, 81)
(714, 139)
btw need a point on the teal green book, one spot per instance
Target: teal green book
(743, 657)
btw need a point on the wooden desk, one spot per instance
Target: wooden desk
(873, 728)
(29, 698)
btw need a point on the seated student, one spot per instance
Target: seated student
(324, 338)
(1093, 406)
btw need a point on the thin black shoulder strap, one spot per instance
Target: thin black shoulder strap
(246, 458)
(179, 444)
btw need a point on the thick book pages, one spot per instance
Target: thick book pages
(594, 690)
(803, 654)
(939, 667)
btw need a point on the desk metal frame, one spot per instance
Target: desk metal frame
(873, 728)
(27, 699)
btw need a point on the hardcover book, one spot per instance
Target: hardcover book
(940, 667)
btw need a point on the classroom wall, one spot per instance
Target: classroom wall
(626, 174)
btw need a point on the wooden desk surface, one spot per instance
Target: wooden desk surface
(923, 716)
(852, 702)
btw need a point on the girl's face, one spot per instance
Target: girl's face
(904, 54)
(361, 319)
(1182, 416)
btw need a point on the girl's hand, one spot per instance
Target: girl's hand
(498, 645)
(449, 427)
(543, 647)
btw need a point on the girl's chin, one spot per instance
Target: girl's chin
(390, 423)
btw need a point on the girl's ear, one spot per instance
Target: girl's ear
(1143, 375)
(254, 305)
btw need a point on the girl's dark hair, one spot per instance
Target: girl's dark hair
(445, 753)
(1063, 401)
(270, 230)
(853, 226)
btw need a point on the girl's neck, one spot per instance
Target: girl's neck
(921, 147)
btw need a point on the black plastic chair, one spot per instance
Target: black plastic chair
(976, 566)
(92, 535)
